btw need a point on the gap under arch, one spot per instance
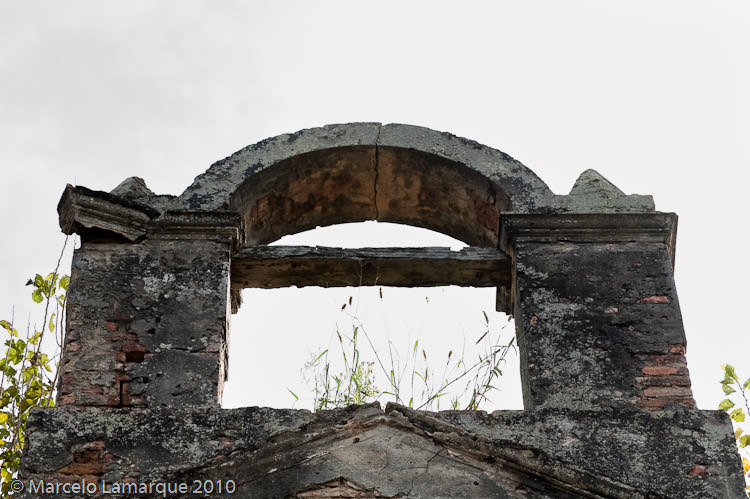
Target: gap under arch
(294, 323)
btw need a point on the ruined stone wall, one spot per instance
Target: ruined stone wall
(597, 314)
(147, 324)
(274, 453)
(588, 277)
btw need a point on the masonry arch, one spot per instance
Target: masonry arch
(527, 242)
(590, 286)
(367, 171)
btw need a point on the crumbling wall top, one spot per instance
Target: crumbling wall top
(361, 171)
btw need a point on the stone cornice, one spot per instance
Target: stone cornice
(83, 211)
(589, 227)
(220, 226)
(583, 228)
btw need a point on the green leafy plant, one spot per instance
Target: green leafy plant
(413, 381)
(738, 409)
(28, 376)
(354, 385)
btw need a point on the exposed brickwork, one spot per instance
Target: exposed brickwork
(118, 352)
(603, 314)
(665, 379)
(130, 342)
(89, 461)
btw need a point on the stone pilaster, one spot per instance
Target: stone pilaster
(596, 310)
(148, 320)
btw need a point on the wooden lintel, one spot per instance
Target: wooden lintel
(283, 266)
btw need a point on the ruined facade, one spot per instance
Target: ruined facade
(587, 276)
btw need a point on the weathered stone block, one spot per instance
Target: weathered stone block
(595, 308)
(154, 318)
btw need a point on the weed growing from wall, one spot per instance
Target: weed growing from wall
(346, 373)
(28, 376)
(738, 409)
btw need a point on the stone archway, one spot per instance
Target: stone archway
(215, 234)
(587, 276)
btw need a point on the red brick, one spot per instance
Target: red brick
(651, 403)
(668, 391)
(133, 347)
(663, 380)
(67, 400)
(698, 470)
(82, 469)
(660, 370)
(678, 349)
(122, 336)
(654, 299)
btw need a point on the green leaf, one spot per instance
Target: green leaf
(293, 394)
(64, 281)
(36, 295)
(738, 415)
(729, 370)
(727, 389)
(38, 281)
(725, 405)
(14, 356)
(746, 384)
(20, 345)
(744, 440)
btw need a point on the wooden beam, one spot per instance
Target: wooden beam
(282, 266)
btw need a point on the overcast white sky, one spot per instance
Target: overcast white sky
(652, 94)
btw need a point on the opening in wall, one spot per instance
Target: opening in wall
(429, 337)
